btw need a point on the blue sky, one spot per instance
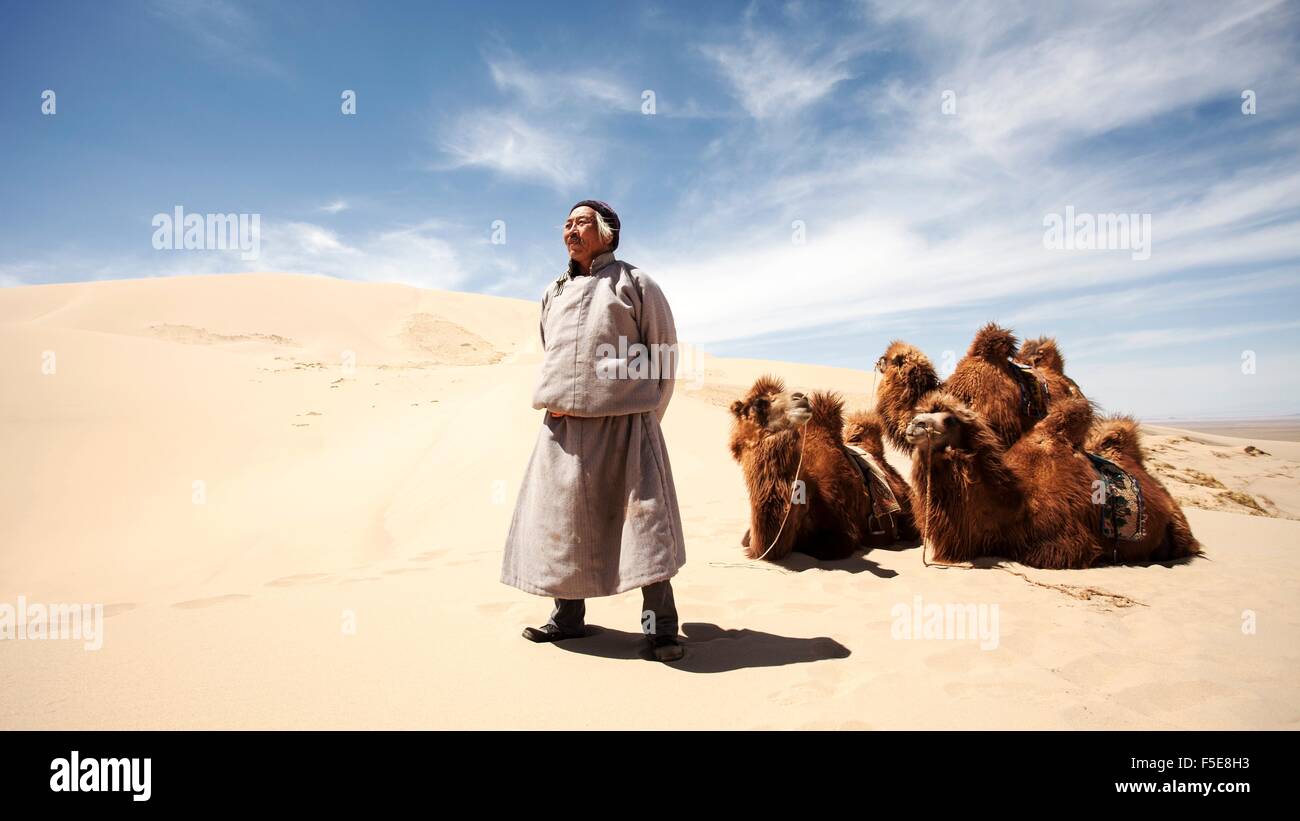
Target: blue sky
(917, 223)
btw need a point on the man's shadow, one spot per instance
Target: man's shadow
(710, 648)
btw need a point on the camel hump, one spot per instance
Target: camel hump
(1069, 419)
(994, 343)
(827, 410)
(1117, 434)
(767, 384)
(865, 430)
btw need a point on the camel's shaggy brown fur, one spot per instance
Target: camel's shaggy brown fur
(1117, 438)
(1032, 503)
(1044, 356)
(769, 426)
(988, 381)
(906, 375)
(864, 429)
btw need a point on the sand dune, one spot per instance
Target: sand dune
(291, 494)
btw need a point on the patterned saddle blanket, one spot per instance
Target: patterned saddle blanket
(1033, 391)
(883, 502)
(1119, 501)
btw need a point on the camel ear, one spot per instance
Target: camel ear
(737, 408)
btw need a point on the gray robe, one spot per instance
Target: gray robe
(597, 511)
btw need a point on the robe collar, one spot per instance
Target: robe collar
(597, 263)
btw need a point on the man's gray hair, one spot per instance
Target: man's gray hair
(602, 228)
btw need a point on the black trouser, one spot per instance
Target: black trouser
(658, 611)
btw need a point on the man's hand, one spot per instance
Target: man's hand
(558, 414)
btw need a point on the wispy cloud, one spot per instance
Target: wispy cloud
(551, 132)
(916, 211)
(770, 81)
(506, 143)
(222, 31)
(583, 85)
(1148, 338)
(334, 207)
(1140, 303)
(1029, 77)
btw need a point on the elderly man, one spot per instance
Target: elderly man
(597, 511)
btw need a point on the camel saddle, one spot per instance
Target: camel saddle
(1033, 391)
(1122, 514)
(883, 502)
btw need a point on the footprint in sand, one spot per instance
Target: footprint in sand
(210, 601)
(1097, 670)
(300, 578)
(808, 607)
(1170, 696)
(992, 690)
(1018, 644)
(806, 692)
(955, 659)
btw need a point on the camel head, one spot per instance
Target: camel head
(1117, 434)
(766, 410)
(904, 368)
(1041, 353)
(907, 375)
(942, 422)
(865, 429)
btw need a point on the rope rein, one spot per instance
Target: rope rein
(925, 531)
(757, 563)
(803, 440)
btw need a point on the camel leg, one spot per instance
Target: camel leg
(1181, 540)
(1063, 553)
(764, 526)
(828, 544)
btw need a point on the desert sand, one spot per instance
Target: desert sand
(290, 494)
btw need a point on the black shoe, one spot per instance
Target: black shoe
(549, 632)
(667, 648)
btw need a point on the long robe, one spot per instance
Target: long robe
(597, 511)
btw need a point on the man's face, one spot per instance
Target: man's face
(581, 236)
